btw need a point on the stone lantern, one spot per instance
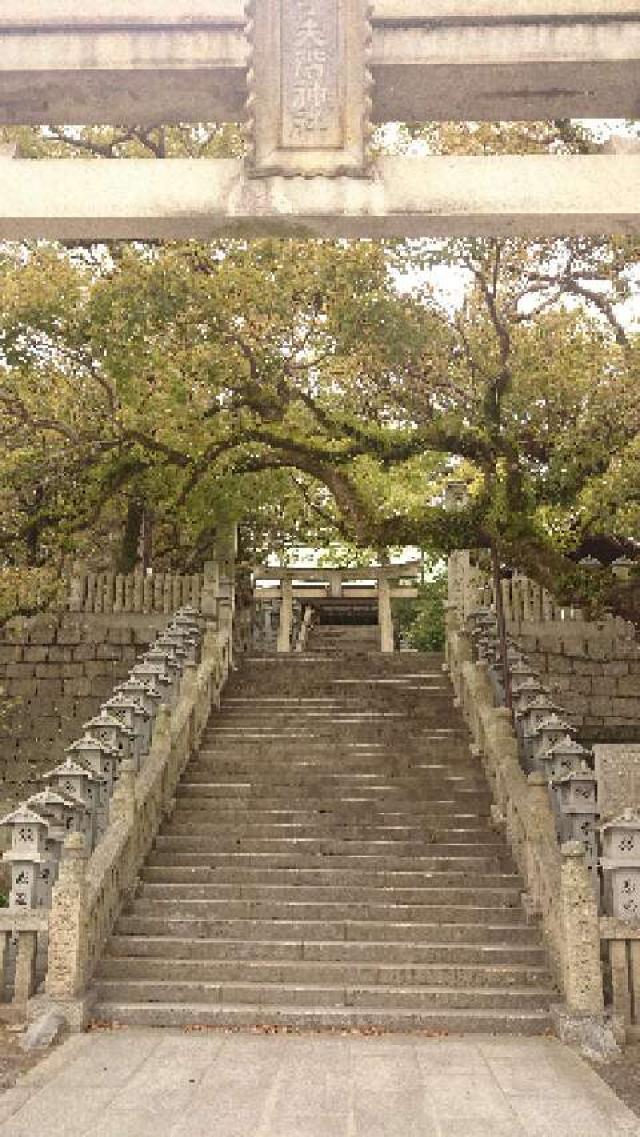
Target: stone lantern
(164, 655)
(534, 705)
(531, 706)
(114, 733)
(590, 562)
(103, 760)
(622, 567)
(182, 650)
(456, 495)
(145, 693)
(524, 682)
(562, 757)
(74, 780)
(576, 804)
(487, 648)
(551, 730)
(521, 670)
(134, 716)
(527, 690)
(621, 865)
(150, 672)
(28, 858)
(188, 617)
(63, 815)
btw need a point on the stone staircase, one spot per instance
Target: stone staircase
(330, 863)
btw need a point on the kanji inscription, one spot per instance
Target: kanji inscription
(311, 97)
(309, 87)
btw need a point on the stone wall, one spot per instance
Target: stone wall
(594, 671)
(55, 670)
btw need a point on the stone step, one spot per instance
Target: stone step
(183, 843)
(392, 1019)
(430, 829)
(293, 790)
(330, 973)
(341, 812)
(197, 796)
(296, 861)
(331, 911)
(359, 895)
(463, 930)
(330, 864)
(386, 952)
(316, 994)
(322, 877)
(431, 776)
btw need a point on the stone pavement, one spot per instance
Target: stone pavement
(169, 1083)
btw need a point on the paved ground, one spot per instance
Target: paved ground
(623, 1075)
(132, 1083)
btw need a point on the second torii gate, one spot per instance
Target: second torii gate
(380, 583)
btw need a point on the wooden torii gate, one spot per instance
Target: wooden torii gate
(310, 77)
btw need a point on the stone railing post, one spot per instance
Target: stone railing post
(210, 590)
(123, 802)
(541, 833)
(67, 924)
(25, 973)
(582, 969)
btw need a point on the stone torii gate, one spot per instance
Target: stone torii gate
(309, 78)
(380, 583)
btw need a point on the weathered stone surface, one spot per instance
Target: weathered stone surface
(197, 1084)
(43, 1031)
(535, 195)
(618, 770)
(530, 60)
(309, 99)
(57, 685)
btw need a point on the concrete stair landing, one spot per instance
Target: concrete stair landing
(330, 863)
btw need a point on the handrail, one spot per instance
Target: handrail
(557, 879)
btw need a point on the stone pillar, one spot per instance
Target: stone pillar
(582, 969)
(68, 947)
(286, 615)
(77, 587)
(385, 619)
(335, 583)
(210, 588)
(123, 802)
(25, 974)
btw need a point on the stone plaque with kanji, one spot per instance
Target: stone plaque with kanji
(309, 87)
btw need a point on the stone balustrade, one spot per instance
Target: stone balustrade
(622, 942)
(76, 846)
(559, 886)
(545, 788)
(590, 666)
(92, 890)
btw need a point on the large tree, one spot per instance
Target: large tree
(319, 388)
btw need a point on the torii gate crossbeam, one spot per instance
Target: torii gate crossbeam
(408, 197)
(150, 61)
(190, 60)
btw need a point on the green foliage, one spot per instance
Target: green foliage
(321, 393)
(421, 621)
